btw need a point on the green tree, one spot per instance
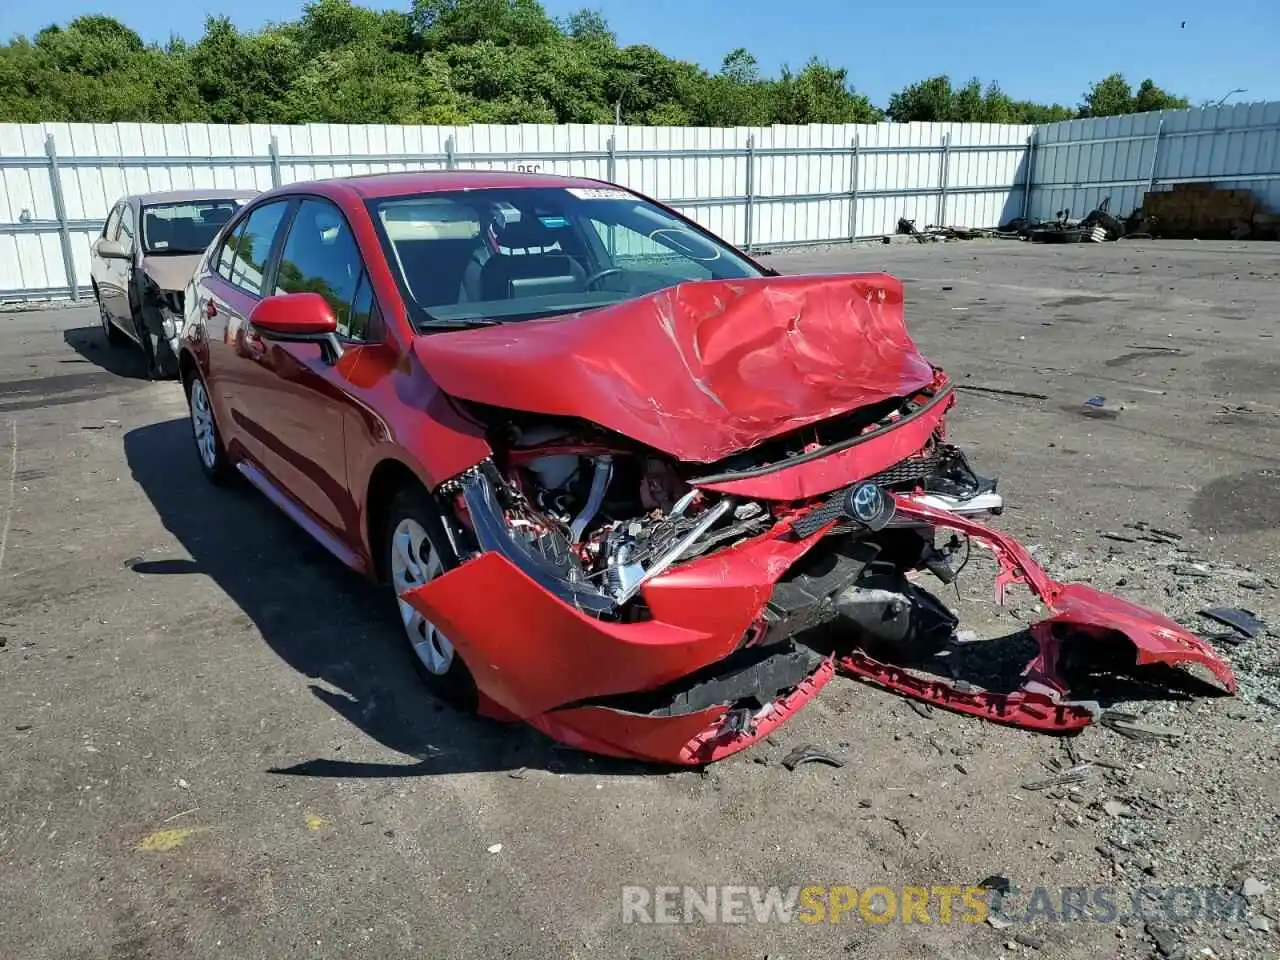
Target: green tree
(740, 67)
(92, 46)
(1150, 97)
(821, 93)
(928, 101)
(1028, 112)
(446, 23)
(457, 62)
(1112, 96)
(1109, 97)
(246, 78)
(589, 26)
(935, 100)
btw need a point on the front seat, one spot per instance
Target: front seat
(519, 260)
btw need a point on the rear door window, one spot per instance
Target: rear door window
(227, 252)
(126, 227)
(253, 245)
(113, 224)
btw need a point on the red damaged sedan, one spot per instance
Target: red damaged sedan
(624, 483)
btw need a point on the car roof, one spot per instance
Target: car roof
(189, 196)
(372, 186)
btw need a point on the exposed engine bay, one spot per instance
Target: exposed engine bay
(605, 515)
(612, 518)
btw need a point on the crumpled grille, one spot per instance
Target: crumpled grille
(913, 468)
(916, 467)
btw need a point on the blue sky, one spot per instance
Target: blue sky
(1043, 50)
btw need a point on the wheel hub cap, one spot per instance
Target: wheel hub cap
(414, 562)
(202, 424)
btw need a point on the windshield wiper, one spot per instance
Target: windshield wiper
(459, 323)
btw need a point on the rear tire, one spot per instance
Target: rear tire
(416, 551)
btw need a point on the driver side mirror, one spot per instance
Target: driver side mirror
(112, 250)
(298, 318)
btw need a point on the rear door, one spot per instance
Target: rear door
(227, 296)
(303, 398)
(109, 274)
(123, 304)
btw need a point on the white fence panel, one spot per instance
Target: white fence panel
(1079, 163)
(773, 186)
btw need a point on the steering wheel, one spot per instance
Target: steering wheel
(600, 275)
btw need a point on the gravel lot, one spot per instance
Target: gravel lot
(209, 745)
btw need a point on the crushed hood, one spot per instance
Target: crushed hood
(699, 370)
(171, 273)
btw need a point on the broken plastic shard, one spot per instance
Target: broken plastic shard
(1099, 408)
(1076, 774)
(810, 753)
(1129, 725)
(996, 882)
(1115, 808)
(1245, 621)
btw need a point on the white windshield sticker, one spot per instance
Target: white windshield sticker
(599, 193)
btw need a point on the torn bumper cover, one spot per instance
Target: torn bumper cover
(1080, 614)
(706, 671)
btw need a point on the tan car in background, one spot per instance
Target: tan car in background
(143, 259)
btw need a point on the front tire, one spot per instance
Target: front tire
(212, 455)
(416, 552)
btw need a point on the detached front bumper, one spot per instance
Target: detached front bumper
(1086, 627)
(695, 683)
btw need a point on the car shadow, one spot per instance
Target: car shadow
(1100, 671)
(90, 343)
(329, 624)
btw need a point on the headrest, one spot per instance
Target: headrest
(158, 228)
(524, 233)
(218, 215)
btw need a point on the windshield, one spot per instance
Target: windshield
(512, 254)
(182, 228)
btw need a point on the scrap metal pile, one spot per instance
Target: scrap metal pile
(1098, 227)
(932, 234)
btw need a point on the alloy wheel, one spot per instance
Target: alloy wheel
(202, 424)
(415, 562)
